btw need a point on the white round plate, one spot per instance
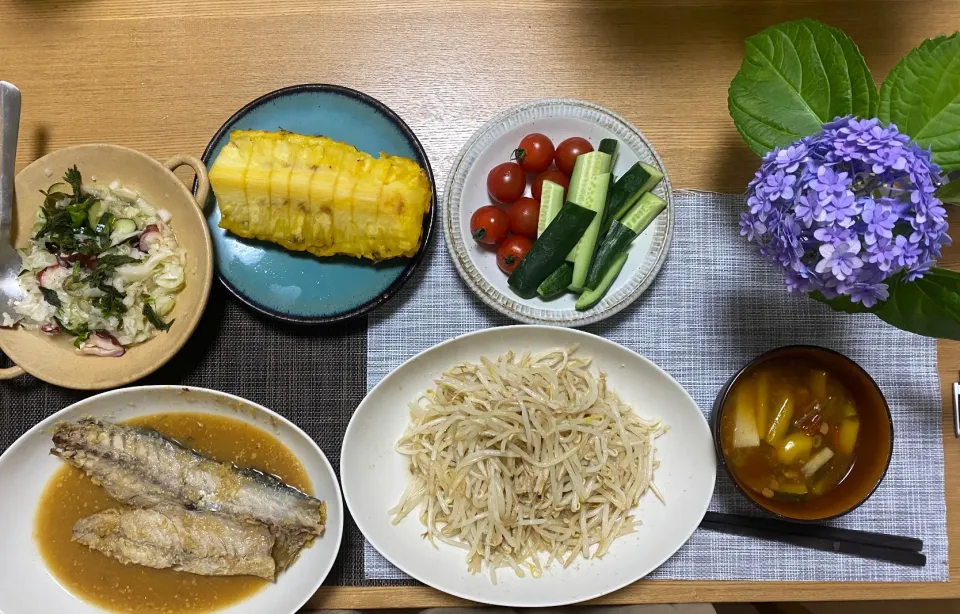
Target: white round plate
(26, 587)
(466, 191)
(374, 474)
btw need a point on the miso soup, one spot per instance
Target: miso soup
(790, 430)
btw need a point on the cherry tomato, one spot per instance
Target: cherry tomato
(535, 153)
(511, 252)
(489, 225)
(506, 182)
(567, 152)
(524, 216)
(551, 174)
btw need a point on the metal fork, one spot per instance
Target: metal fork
(10, 265)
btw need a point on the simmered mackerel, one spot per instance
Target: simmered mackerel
(196, 542)
(142, 468)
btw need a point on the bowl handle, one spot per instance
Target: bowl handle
(203, 182)
(11, 372)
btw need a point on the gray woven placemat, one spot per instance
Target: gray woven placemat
(313, 376)
(715, 306)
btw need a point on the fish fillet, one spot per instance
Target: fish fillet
(195, 542)
(142, 468)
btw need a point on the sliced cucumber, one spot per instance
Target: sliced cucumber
(587, 246)
(94, 213)
(556, 284)
(621, 234)
(653, 178)
(551, 201)
(589, 298)
(124, 226)
(548, 252)
(587, 166)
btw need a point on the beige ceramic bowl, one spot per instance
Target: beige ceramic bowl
(53, 358)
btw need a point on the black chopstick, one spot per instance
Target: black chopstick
(892, 548)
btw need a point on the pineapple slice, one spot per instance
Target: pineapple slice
(283, 228)
(327, 157)
(300, 179)
(403, 203)
(228, 177)
(258, 184)
(344, 239)
(371, 175)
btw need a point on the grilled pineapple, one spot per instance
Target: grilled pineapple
(318, 195)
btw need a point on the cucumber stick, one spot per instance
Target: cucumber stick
(611, 147)
(587, 166)
(587, 246)
(621, 234)
(589, 298)
(653, 177)
(551, 200)
(556, 284)
(548, 252)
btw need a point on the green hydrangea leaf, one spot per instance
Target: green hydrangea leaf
(841, 303)
(929, 306)
(795, 77)
(921, 95)
(950, 192)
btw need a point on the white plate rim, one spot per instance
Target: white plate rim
(610, 304)
(47, 422)
(546, 603)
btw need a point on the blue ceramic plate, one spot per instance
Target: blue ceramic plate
(297, 286)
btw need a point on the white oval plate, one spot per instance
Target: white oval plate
(374, 475)
(26, 587)
(466, 191)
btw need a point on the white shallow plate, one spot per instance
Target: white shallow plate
(466, 191)
(374, 474)
(26, 587)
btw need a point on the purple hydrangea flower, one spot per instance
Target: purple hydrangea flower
(880, 219)
(840, 259)
(846, 209)
(779, 185)
(789, 159)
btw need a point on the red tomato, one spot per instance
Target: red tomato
(511, 252)
(489, 225)
(524, 216)
(506, 182)
(535, 153)
(568, 151)
(549, 175)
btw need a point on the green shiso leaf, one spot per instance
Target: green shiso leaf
(795, 77)
(921, 95)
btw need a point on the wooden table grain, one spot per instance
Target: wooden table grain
(161, 76)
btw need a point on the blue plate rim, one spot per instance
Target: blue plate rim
(426, 231)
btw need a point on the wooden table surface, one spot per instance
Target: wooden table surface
(161, 76)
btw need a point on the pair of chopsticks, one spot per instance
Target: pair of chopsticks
(880, 546)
